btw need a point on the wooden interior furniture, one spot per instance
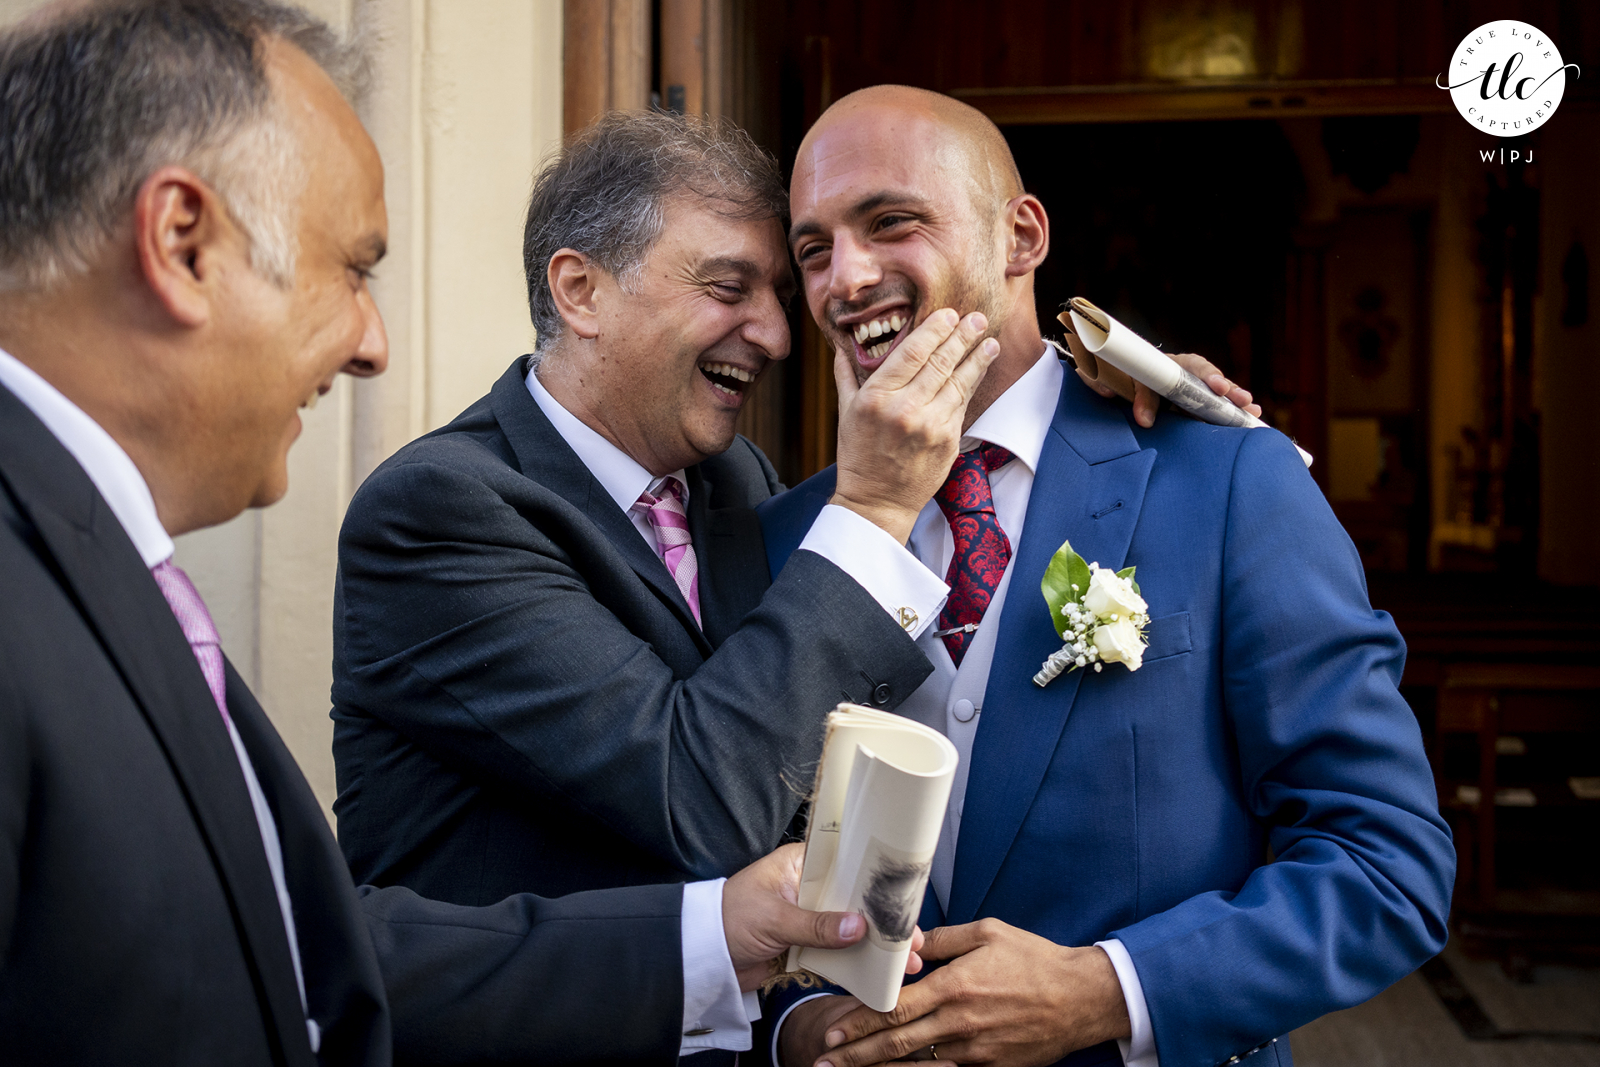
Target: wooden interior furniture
(1506, 706)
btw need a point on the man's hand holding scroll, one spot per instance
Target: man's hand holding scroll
(762, 920)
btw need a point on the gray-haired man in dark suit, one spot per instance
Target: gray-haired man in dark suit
(188, 213)
(560, 662)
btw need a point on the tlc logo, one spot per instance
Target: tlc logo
(1507, 78)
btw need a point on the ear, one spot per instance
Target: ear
(180, 230)
(1027, 233)
(574, 283)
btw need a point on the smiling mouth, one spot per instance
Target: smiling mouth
(732, 381)
(878, 337)
(310, 402)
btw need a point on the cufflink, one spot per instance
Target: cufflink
(1235, 1059)
(701, 1031)
(907, 618)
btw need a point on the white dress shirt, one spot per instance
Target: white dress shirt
(125, 490)
(951, 699)
(618, 473)
(877, 562)
(712, 1001)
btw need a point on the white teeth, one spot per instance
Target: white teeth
(311, 401)
(878, 350)
(879, 327)
(729, 370)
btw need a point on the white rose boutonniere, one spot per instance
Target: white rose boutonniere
(1113, 594)
(1099, 615)
(1120, 642)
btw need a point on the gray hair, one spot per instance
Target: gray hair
(605, 195)
(93, 100)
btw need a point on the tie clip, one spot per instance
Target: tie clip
(969, 628)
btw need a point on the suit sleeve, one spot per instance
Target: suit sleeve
(1331, 760)
(505, 641)
(775, 1008)
(16, 758)
(593, 977)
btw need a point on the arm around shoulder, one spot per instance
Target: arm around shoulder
(496, 625)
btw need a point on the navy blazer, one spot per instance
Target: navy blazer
(138, 919)
(1251, 813)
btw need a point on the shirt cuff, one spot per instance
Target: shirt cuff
(896, 579)
(1138, 1050)
(715, 1013)
(777, 1027)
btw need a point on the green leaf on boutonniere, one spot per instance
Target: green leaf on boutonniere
(1127, 572)
(1066, 569)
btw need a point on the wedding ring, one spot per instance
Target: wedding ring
(929, 1053)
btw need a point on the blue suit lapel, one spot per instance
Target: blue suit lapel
(787, 517)
(1088, 489)
(932, 915)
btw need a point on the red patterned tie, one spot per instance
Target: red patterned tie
(982, 548)
(198, 629)
(671, 525)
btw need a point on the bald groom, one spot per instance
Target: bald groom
(1101, 890)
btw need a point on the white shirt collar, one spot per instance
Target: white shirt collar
(1020, 417)
(619, 474)
(101, 458)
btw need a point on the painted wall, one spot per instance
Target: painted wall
(466, 103)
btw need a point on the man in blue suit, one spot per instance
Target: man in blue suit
(1176, 865)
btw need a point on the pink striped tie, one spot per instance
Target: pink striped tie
(671, 525)
(198, 629)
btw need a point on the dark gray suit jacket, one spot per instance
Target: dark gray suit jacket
(138, 920)
(522, 700)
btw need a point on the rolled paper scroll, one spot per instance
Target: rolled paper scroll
(876, 812)
(1106, 338)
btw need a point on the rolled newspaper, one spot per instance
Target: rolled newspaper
(1108, 339)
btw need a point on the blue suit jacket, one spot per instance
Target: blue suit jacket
(1142, 806)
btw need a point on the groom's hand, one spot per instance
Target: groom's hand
(761, 919)
(1007, 997)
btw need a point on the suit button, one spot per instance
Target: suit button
(881, 694)
(964, 711)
